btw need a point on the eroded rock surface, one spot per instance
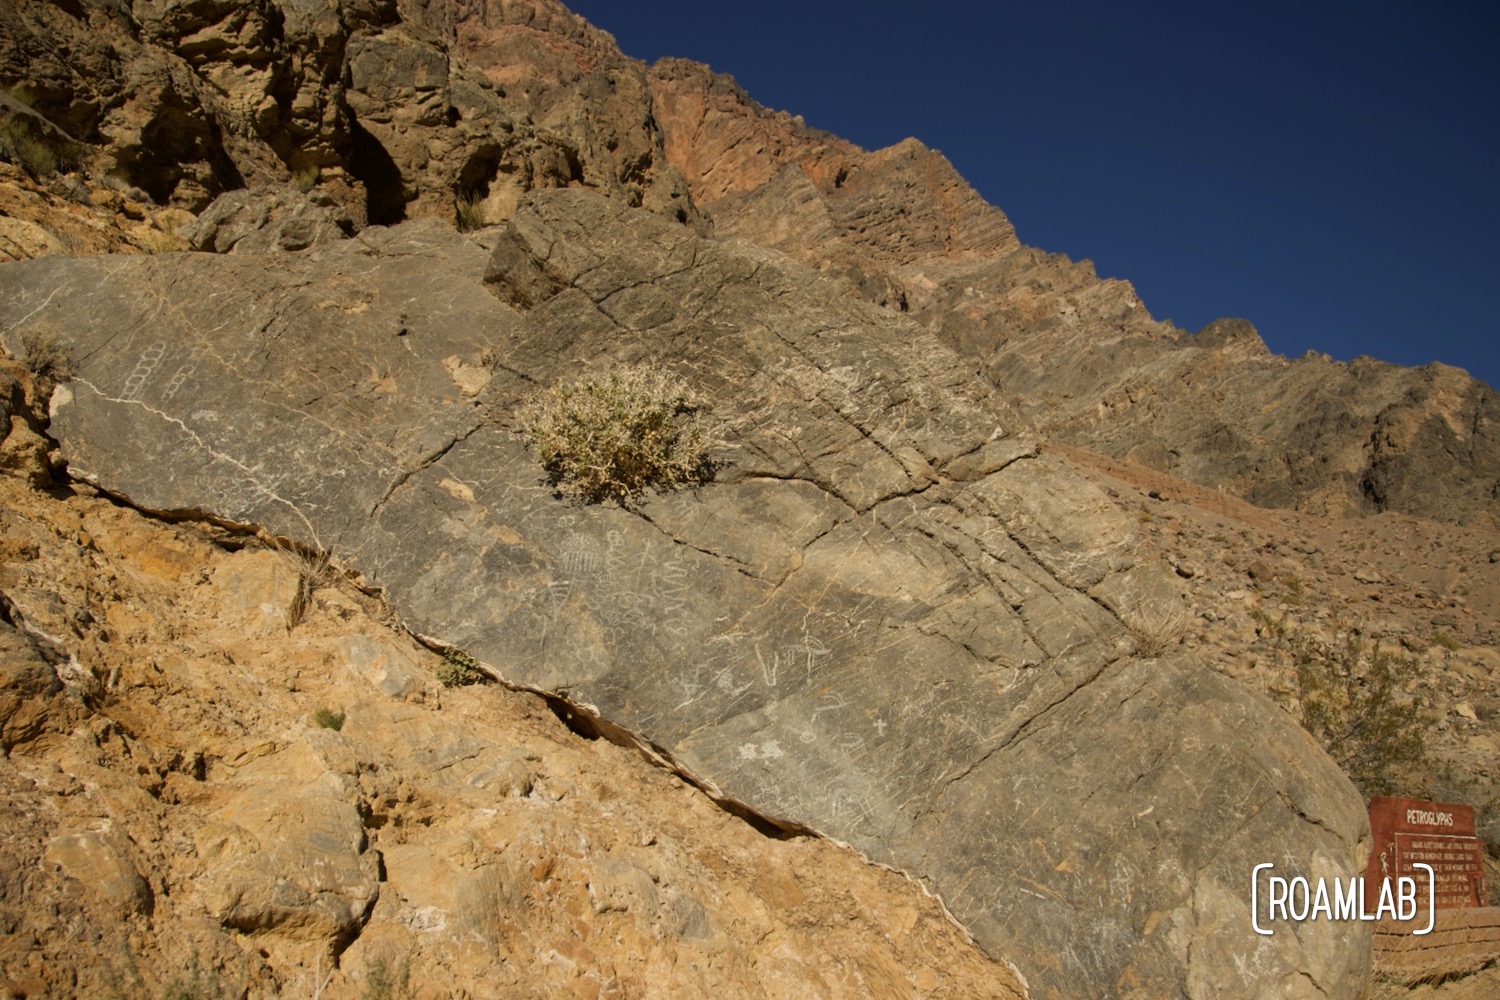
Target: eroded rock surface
(1310, 433)
(269, 219)
(887, 620)
(394, 108)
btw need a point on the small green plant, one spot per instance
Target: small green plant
(34, 145)
(327, 718)
(194, 982)
(1144, 515)
(612, 437)
(1441, 638)
(305, 178)
(469, 214)
(384, 982)
(458, 669)
(44, 355)
(1356, 699)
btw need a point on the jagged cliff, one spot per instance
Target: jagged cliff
(1080, 356)
(891, 619)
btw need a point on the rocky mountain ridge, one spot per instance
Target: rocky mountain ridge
(1081, 357)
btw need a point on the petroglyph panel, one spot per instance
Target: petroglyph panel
(150, 359)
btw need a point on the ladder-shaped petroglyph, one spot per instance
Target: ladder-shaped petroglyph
(145, 366)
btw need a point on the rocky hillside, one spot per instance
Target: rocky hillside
(226, 773)
(883, 611)
(892, 619)
(1427, 592)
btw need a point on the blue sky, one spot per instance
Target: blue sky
(1326, 170)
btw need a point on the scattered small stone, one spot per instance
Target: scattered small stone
(1367, 575)
(1258, 570)
(1465, 711)
(1156, 495)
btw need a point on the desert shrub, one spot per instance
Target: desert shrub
(384, 981)
(306, 177)
(610, 438)
(1155, 640)
(469, 214)
(314, 570)
(458, 669)
(327, 718)
(26, 142)
(126, 981)
(43, 354)
(34, 156)
(1356, 698)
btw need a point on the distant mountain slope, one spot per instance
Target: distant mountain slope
(1081, 356)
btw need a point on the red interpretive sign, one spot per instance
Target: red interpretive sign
(1409, 832)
